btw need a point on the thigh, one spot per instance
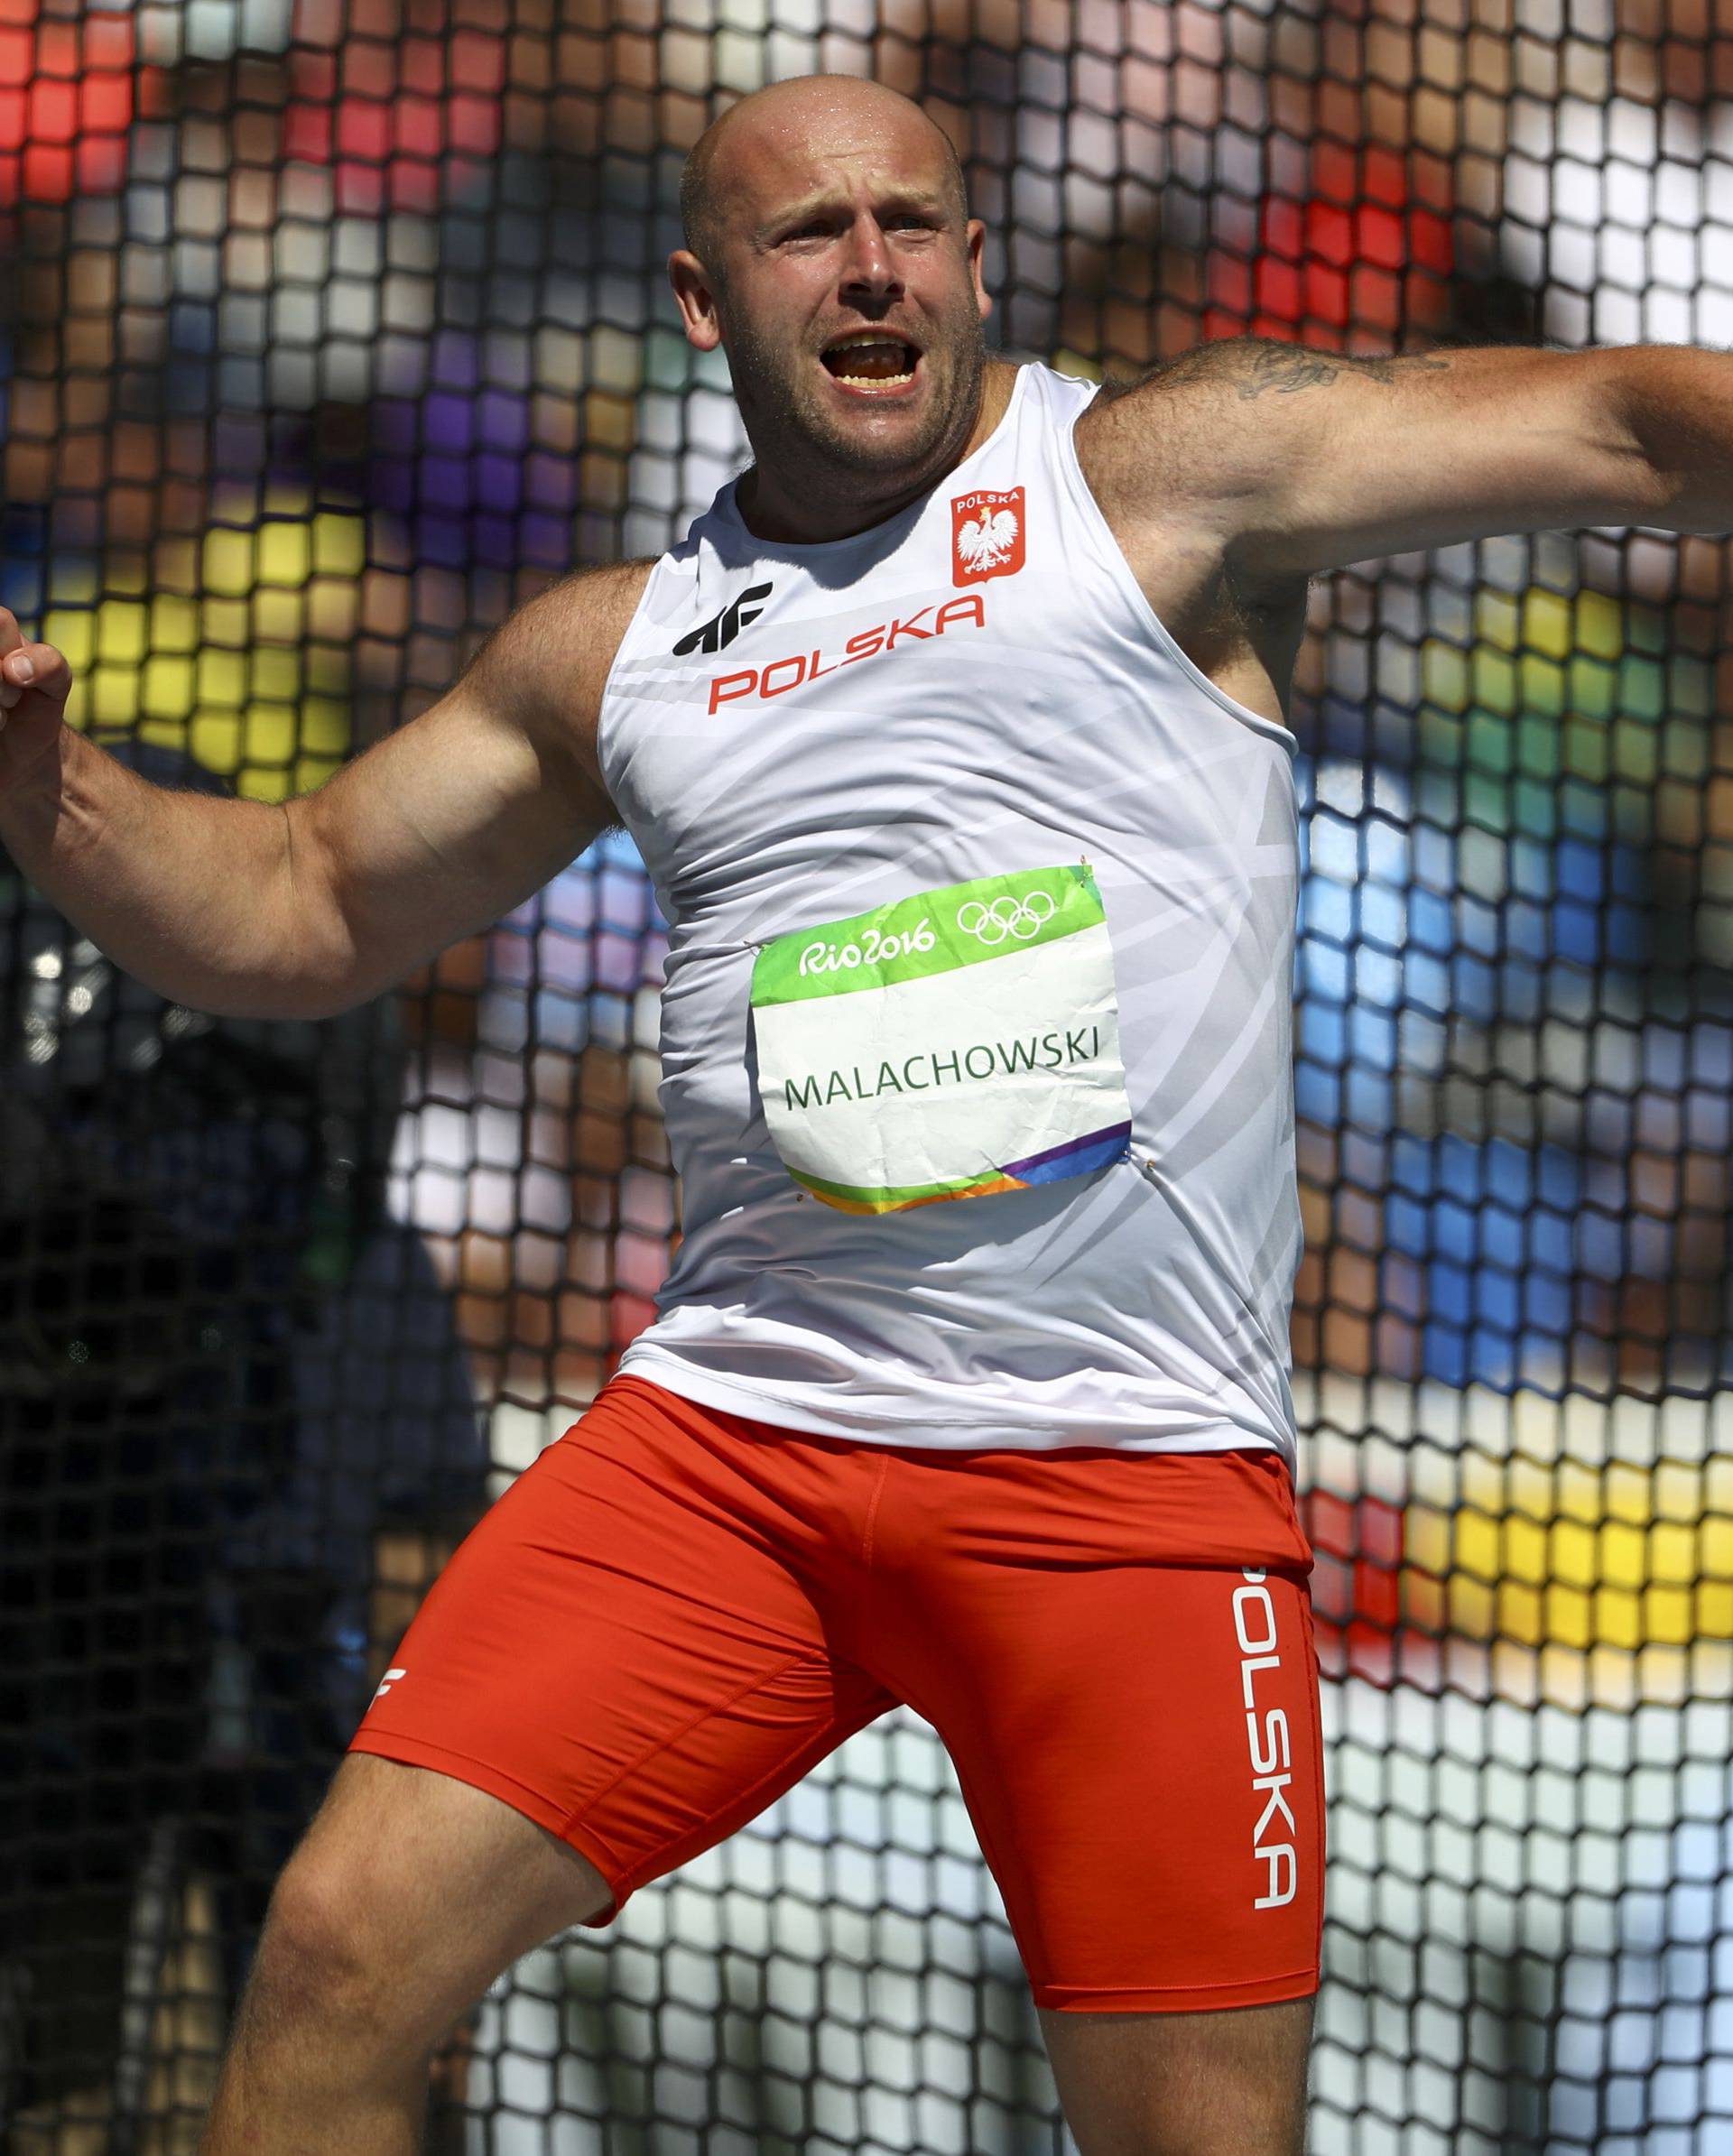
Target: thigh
(1137, 1736)
(1231, 2083)
(626, 1649)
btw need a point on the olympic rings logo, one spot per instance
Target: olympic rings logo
(1021, 918)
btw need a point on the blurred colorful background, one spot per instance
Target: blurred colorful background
(332, 331)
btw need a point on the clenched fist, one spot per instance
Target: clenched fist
(34, 679)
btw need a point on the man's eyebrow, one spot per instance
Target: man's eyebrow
(812, 205)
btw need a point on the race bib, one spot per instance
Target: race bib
(958, 1042)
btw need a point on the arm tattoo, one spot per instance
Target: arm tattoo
(1286, 368)
(1264, 365)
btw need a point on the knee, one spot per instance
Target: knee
(324, 1964)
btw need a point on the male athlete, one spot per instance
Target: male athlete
(953, 739)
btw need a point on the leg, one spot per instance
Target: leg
(1124, 1680)
(1227, 2084)
(409, 1895)
(618, 1668)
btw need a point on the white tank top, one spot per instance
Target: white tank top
(797, 734)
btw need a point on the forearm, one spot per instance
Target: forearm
(199, 898)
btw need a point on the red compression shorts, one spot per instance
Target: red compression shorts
(676, 1612)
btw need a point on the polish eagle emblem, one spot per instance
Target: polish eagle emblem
(986, 535)
(989, 541)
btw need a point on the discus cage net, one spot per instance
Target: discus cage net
(331, 330)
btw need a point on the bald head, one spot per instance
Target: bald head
(830, 256)
(789, 120)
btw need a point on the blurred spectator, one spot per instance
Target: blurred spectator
(223, 1376)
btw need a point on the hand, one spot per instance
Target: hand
(34, 683)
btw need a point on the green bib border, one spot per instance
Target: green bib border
(777, 978)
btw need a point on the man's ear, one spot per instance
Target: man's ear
(695, 295)
(977, 241)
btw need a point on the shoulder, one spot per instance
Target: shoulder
(1210, 441)
(1142, 429)
(597, 604)
(544, 669)
(566, 637)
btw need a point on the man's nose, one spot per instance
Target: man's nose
(869, 270)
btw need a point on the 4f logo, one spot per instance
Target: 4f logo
(719, 635)
(986, 535)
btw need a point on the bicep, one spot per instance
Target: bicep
(458, 816)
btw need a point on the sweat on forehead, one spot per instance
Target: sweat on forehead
(789, 122)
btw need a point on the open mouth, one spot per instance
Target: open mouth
(873, 360)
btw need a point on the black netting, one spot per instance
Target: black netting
(329, 333)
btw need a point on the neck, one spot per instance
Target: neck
(806, 508)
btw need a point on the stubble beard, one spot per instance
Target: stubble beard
(814, 453)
